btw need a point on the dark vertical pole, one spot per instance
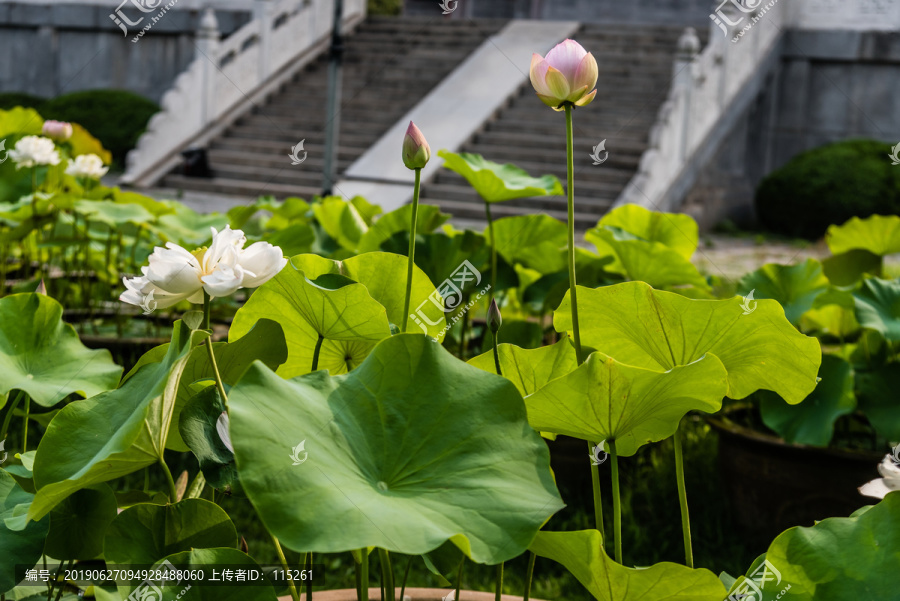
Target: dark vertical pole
(333, 124)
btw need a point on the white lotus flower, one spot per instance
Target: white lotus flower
(31, 151)
(87, 165)
(174, 274)
(889, 481)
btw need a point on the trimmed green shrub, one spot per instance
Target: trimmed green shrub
(115, 117)
(829, 185)
(10, 100)
(385, 7)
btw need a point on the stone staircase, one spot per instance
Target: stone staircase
(390, 63)
(635, 65)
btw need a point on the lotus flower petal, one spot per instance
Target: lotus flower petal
(566, 57)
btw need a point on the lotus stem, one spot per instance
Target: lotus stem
(498, 591)
(364, 573)
(464, 328)
(207, 302)
(617, 501)
(490, 221)
(387, 572)
(63, 584)
(528, 575)
(173, 491)
(411, 256)
(497, 355)
(682, 499)
(287, 570)
(570, 192)
(9, 414)
(459, 578)
(405, 577)
(309, 561)
(598, 505)
(315, 363)
(25, 424)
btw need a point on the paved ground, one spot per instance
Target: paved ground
(732, 257)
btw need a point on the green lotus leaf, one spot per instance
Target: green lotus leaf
(659, 330)
(24, 544)
(264, 342)
(341, 221)
(676, 231)
(878, 234)
(537, 241)
(829, 320)
(146, 533)
(530, 369)
(878, 307)
(155, 207)
(581, 552)
(428, 219)
(119, 432)
(876, 392)
(495, 182)
(20, 120)
(847, 268)
(812, 421)
(837, 559)
(187, 227)
(344, 316)
(198, 429)
(78, 524)
(439, 255)
(113, 214)
(383, 276)
(546, 292)
(143, 534)
(43, 356)
(647, 261)
(210, 561)
(486, 488)
(292, 240)
(795, 287)
(607, 400)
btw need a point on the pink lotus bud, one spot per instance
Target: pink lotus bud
(568, 74)
(58, 130)
(416, 152)
(494, 319)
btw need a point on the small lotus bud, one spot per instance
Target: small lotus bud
(42, 288)
(416, 152)
(57, 130)
(494, 319)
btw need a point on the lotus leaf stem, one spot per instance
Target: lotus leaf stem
(682, 499)
(411, 256)
(617, 501)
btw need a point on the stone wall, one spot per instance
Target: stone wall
(53, 49)
(828, 86)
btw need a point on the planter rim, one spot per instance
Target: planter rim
(416, 594)
(723, 424)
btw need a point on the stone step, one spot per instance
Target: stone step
(220, 158)
(237, 187)
(274, 147)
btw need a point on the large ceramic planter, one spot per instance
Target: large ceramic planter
(411, 594)
(774, 485)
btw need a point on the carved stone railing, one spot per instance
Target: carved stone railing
(226, 77)
(709, 89)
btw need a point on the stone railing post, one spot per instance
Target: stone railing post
(262, 13)
(208, 50)
(683, 75)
